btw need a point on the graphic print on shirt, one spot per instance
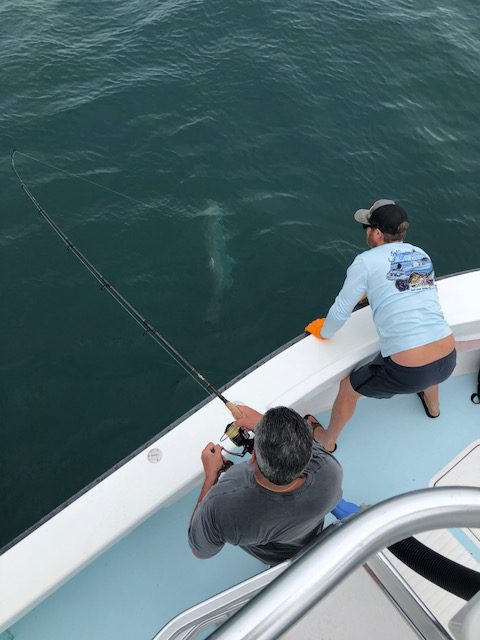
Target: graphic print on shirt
(411, 269)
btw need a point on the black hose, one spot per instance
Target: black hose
(447, 574)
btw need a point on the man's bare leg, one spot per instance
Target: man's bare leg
(342, 410)
(430, 396)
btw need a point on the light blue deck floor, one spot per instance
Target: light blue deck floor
(144, 580)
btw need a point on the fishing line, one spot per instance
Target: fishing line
(116, 295)
(78, 177)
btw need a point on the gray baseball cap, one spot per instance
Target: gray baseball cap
(385, 215)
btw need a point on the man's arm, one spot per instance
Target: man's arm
(213, 462)
(204, 537)
(354, 287)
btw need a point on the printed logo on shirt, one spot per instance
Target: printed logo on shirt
(411, 269)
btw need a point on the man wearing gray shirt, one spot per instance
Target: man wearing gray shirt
(273, 505)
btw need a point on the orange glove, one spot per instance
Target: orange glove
(315, 327)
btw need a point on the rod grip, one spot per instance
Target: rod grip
(234, 409)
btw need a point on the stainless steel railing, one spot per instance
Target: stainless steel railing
(218, 608)
(318, 571)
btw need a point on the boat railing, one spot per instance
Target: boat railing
(278, 597)
(218, 608)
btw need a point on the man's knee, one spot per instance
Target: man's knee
(347, 389)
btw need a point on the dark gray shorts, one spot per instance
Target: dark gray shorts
(384, 378)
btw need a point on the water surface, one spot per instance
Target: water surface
(284, 117)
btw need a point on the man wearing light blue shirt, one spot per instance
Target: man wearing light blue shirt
(417, 348)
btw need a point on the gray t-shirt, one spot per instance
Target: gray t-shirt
(270, 526)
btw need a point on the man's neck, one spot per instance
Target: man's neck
(278, 488)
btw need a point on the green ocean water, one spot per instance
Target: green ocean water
(244, 135)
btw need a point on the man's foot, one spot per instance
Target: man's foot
(319, 434)
(428, 410)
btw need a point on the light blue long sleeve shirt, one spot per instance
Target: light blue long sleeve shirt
(399, 281)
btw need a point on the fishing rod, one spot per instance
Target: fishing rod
(123, 302)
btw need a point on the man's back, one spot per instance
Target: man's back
(399, 281)
(271, 526)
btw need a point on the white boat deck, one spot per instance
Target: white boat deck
(141, 582)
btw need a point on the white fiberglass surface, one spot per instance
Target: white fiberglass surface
(135, 587)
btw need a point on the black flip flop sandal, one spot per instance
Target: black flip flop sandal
(422, 399)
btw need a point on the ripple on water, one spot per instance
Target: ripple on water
(288, 115)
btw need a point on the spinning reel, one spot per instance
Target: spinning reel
(240, 437)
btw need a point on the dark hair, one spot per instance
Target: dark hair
(397, 237)
(283, 445)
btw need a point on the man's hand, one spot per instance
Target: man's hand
(315, 328)
(213, 461)
(250, 417)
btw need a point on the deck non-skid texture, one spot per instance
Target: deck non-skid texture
(391, 446)
(144, 580)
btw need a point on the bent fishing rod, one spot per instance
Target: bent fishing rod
(123, 302)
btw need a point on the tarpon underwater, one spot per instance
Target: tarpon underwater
(220, 261)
